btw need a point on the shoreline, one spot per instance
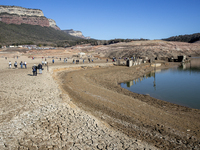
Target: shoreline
(82, 106)
(152, 130)
(35, 114)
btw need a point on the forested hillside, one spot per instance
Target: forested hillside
(11, 34)
(185, 38)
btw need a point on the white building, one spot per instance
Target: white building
(81, 54)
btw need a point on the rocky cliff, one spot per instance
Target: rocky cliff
(52, 24)
(75, 33)
(20, 11)
(19, 15)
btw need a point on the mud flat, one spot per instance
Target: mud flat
(141, 117)
(37, 114)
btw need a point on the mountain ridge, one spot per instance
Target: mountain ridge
(19, 15)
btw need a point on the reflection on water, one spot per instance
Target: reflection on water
(180, 85)
(146, 76)
(193, 65)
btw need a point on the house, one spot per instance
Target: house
(81, 54)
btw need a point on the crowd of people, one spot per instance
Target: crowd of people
(22, 64)
(39, 67)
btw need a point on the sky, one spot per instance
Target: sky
(127, 19)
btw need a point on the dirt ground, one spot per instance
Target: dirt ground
(33, 109)
(165, 125)
(36, 114)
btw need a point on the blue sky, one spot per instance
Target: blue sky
(110, 19)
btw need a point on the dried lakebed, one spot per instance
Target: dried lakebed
(35, 114)
(163, 124)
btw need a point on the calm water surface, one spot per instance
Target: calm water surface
(179, 85)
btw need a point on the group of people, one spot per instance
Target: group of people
(39, 67)
(15, 64)
(65, 60)
(34, 68)
(74, 61)
(89, 60)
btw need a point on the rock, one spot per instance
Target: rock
(18, 15)
(75, 33)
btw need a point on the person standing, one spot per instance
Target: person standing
(15, 64)
(83, 61)
(10, 64)
(34, 70)
(21, 63)
(53, 61)
(25, 64)
(40, 68)
(47, 66)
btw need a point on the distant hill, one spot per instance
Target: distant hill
(11, 34)
(25, 34)
(191, 38)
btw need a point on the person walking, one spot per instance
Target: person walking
(15, 64)
(25, 64)
(83, 61)
(34, 70)
(53, 61)
(10, 64)
(47, 66)
(40, 68)
(21, 63)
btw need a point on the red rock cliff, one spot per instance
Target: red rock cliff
(32, 20)
(19, 15)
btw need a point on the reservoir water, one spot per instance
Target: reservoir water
(179, 85)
